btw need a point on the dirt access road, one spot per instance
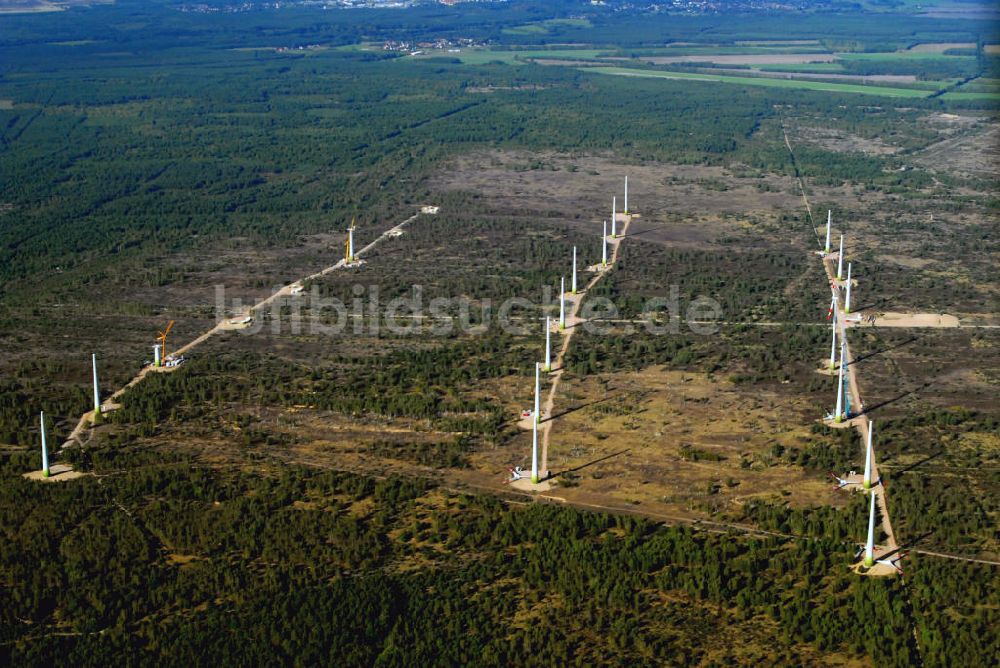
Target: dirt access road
(87, 419)
(861, 422)
(573, 320)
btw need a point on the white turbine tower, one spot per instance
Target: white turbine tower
(840, 259)
(97, 394)
(833, 344)
(534, 448)
(614, 206)
(829, 215)
(870, 545)
(573, 285)
(45, 451)
(562, 303)
(839, 415)
(538, 394)
(868, 456)
(604, 246)
(847, 294)
(548, 345)
(626, 194)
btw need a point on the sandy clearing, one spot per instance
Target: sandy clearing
(953, 119)
(892, 319)
(57, 473)
(840, 141)
(525, 485)
(685, 206)
(910, 262)
(974, 152)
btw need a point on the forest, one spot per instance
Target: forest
(148, 154)
(160, 558)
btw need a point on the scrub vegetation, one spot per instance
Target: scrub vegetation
(294, 498)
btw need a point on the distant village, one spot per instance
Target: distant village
(642, 6)
(247, 5)
(442, 44)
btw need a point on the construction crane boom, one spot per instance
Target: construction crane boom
(162, 338)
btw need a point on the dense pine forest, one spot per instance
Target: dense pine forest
(285, 498)
(162, 559)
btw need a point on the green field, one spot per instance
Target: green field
(907, 5)
(773, 83)
(904, 55)
(957, 96)
(930, 85)
(483, 56)
(855, 78)
(545, 27)
(713, 50)
(981, 85)
(818, 68)
(779, 42)
(528, 29)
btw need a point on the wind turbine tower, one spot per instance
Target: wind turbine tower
(847, 294)
(839, 415)
(562, 302)
(833, 344)
(538, 394)
(534, 449)
(840, 259)
(548, 345)
(614, 227)
(846, 390)
(573, 285)
(868, 457)
(829, 216)
(45, 451)
(604, 246)
(870, 545)
(349, 255)
(97, 394)
(626, 194)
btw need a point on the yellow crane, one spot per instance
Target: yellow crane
(162, 338)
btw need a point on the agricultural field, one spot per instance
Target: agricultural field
(547, 26)
(487, 56)
(932, 70)
(802, 84)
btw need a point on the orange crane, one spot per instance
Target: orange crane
(162, 338)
